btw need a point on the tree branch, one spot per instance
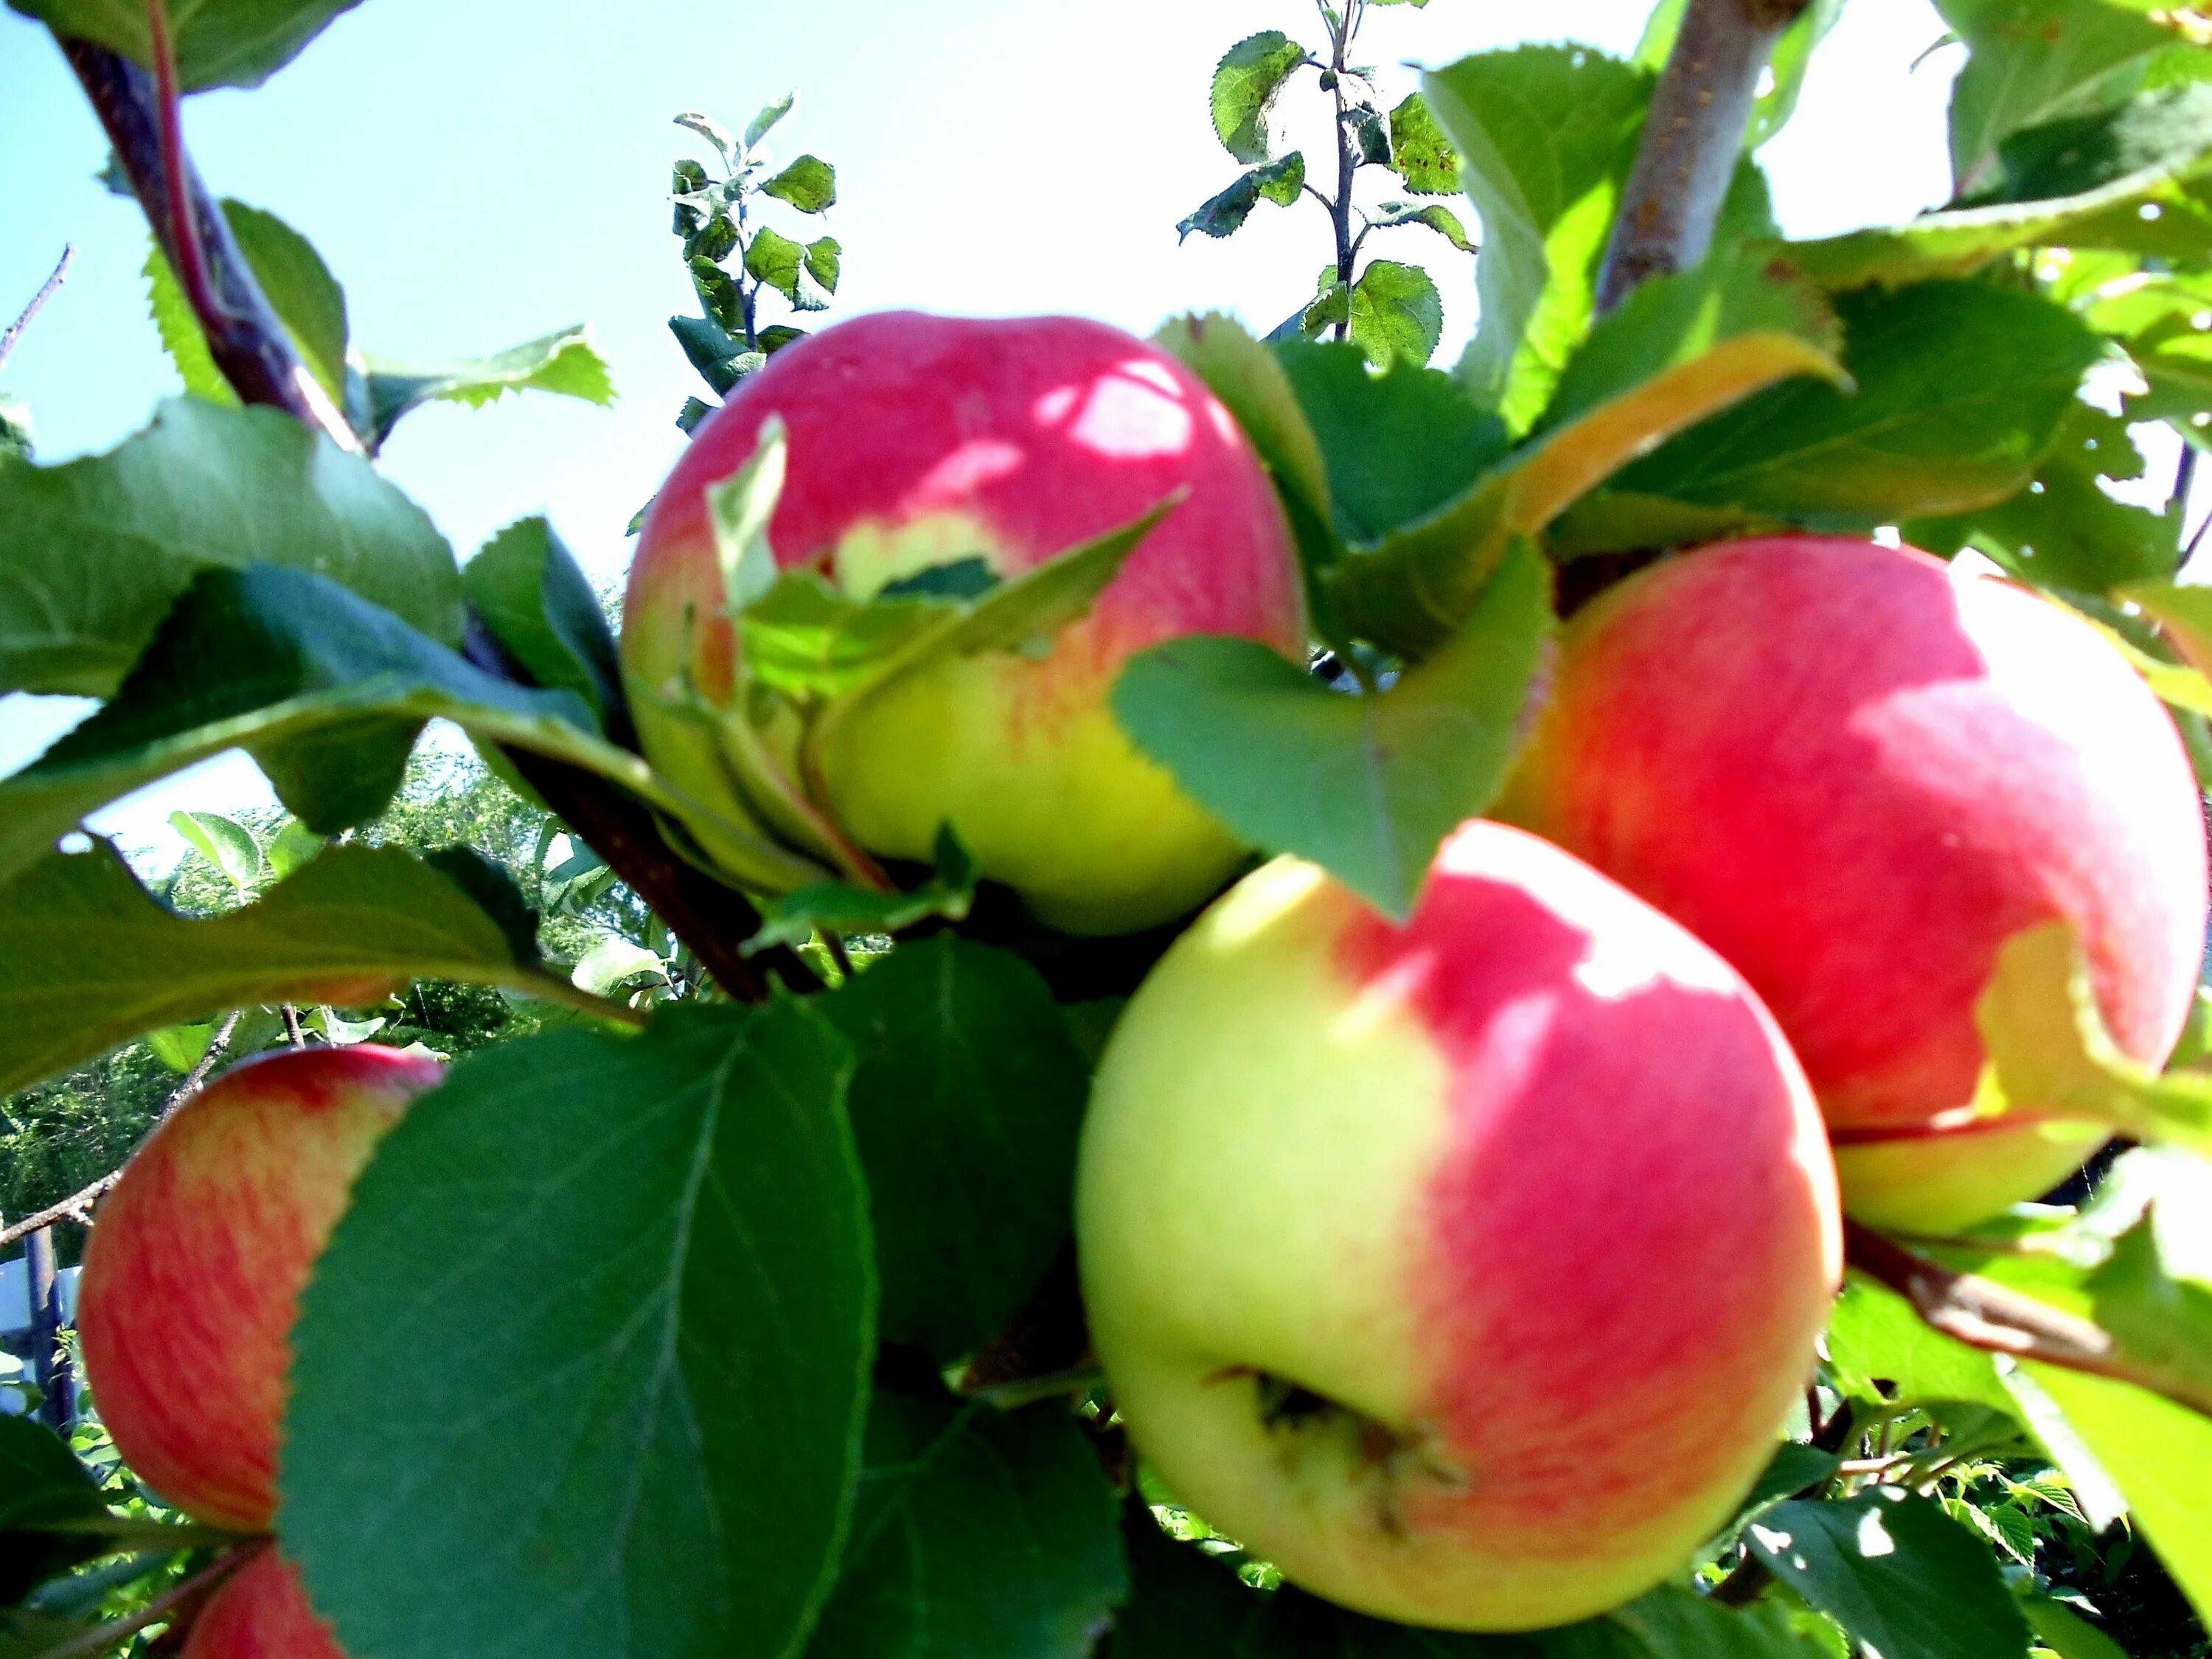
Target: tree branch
(1997, 1319)
(1700, 110)
(244, 334)
(176, 1598)
(38, 302)
(78, 1206)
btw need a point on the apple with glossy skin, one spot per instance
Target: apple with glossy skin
(1856, 774)
(199, 1253)
(917, 442)
(261, 1612)
(1467, 1269)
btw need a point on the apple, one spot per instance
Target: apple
(1465, 1269)
(261, 1612)
(1857, 773)
(199, 1253)
(918, 441)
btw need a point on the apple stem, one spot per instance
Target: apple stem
(1997, 1319)
(244, 334)
(1693, 136)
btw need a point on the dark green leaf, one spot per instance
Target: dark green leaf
(301, 288)
(89, 959)
(653, 1319)
(94, 552)
(537, 603)
(714, 240)
(808, 184)
(324, 690)
(2032, 62)
(1895, 1572)
(40, 1482)
(1396, 446)
(1224, 215)
(1794, 1467)
(687, 178)
(774, 259)
(718, 291)
(1442, 219)
(953, 1496)
(777, 336)
(962, 579)
(1370, 134)
(1366, 786)
(564, 362)
(1245, 84)
(824, 262)
(217, 43)
(966, 1107)
(710, 349)
(1960, 388)
(1397, 315)
(1419, 152)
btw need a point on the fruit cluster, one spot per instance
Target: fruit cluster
(1466, 1267)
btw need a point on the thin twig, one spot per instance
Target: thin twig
(38, 302)
(78, 1206)
(1997, 1319)
(293, 1033)
(104, 1636)
(1700, 112)
(2184, 477)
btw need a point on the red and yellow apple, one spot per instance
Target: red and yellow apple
(261, 1612)
(197, 1257)
(919, 442)
(1856, 774)
(1465, 1269)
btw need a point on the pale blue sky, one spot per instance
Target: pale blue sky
(478, 173)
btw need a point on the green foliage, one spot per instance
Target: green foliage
(1246, 83)
(217, 43)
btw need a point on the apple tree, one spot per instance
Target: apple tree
(1300, 1004)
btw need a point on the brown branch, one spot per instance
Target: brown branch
(1997, 1319)
(1700, 110)
(245, 336)
(78, 1206)
(38, 302)
(178, 1595)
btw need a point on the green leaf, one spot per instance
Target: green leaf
(770, 114)
(951, 1496)
(1894, 1571)
(1245, 85)
(774, 259)
(616, 966)
(2132, 177)
(300, 287)
(1441, 220)
(1876, 1337)
(808, 184)
(718, 293)
(739, 510)
(217, 43)
(2065, 531)
(1412, 591)
(1419, 152)
(94, 552)
(1366, 786)
(1397, 315)
(40, 1482)
(89, 959)
(710, 349)
(652, 1315)
(565, 362)
(180, 1048)
(1370, 136)
(537, 603)
(808, 640)
(2032, 62)
(292, 846)
(2065, 1633)
(1961, 389)
(224, 842)
(1794, 1467)
(179, 330)
(1546, 135)
(1396, 446)
(16, 440)
(2160, 1453)
(824, 262)
(965, 1106)
(836, 907)
(1224, 215)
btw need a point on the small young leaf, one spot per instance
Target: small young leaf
(1895, 1572)
(808, 184)
(965, 1107)
(1224, 215)
(1419, 152)
(1441, 220)
(824, 262)
(616, 966)
(94, 552)
(1396, 313)
(760, 126)
(537, 603)
(806, 639)
(89, 959)
(224, 842)
(1245, 85)
(739, 508)
(1366, 786)
(712, 131)
(951, 1495)
(565, 362)
(654, 1315)
(1370, 134)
